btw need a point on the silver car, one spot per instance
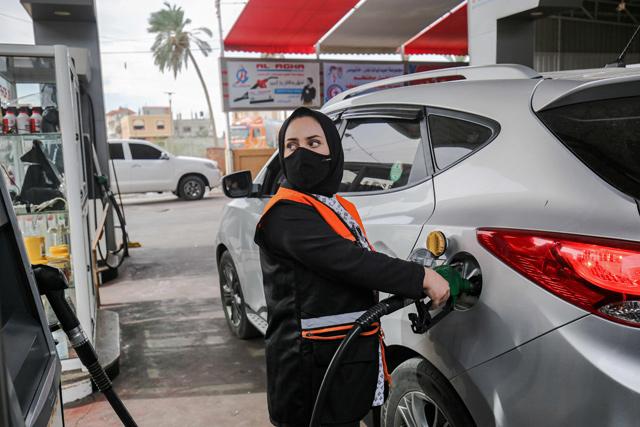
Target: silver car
(534, 180)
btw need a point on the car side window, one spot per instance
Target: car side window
(381, 154)
(116, 152)
(144, 152)
(454, 138)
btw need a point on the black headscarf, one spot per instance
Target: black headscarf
(331, 183)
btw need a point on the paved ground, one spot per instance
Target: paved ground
(180, 366)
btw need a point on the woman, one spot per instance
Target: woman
(320, 273)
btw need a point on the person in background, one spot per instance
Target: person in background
(308, 92)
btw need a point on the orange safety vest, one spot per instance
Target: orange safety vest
(334, 221)
(329, 216)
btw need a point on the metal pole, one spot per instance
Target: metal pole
(228, 155)
(170, 109)
(559, 54)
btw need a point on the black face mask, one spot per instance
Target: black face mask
(306, 168)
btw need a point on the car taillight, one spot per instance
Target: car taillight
(598, 275)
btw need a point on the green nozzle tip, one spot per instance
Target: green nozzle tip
(457, 284)
(101, 179)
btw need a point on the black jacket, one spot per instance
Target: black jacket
(309, 271)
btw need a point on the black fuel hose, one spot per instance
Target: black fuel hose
(105, 187)
(52, 283)
(370, 316)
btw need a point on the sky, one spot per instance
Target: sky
(129, 76)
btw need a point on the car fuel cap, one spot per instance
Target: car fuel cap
(436, 243)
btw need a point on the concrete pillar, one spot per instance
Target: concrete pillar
(516, 39)
(503, 31)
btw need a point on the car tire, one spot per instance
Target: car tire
(421, 396)
(232, 299)
(191, 187)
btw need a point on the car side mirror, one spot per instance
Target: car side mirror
(164, 156)
(238, 184)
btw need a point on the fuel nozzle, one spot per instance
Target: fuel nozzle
(458, 285)
(422, 321)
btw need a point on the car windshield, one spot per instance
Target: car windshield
(605, 135)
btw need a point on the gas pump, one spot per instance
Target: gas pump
(30, 369)
(48, 166)
(44, 168)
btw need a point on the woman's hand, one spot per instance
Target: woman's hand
(436, 287)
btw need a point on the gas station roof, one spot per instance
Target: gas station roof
(446, 36)
(350, 26)
(284, 26)
(382, 26)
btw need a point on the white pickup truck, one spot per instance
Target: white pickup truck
(142, 167)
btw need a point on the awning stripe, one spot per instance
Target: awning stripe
(446, 36)
(284, 26)
(382, 26)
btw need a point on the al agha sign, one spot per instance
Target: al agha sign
(270, 85)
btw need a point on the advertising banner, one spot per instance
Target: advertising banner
(341, 76)
(268, 85)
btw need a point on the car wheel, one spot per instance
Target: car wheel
(232, 299)
(420, 396)
(191, 187)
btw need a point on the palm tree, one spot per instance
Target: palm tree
(172, 48)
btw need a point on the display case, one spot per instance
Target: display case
(42, 163)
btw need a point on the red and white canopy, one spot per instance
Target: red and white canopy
(350, 26)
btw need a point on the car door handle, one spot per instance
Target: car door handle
(136, 165)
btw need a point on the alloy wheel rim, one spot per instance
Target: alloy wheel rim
(192, 188)
(231, 299)
(416, 409)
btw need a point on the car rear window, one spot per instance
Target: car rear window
(604, 135)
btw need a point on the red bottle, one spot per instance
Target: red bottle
(9, 121)
(35, 122)
(22, 120)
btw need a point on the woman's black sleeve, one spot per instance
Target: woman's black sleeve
(297, 231)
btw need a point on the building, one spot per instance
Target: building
(187, 128)
(155, 111)
(154, 124)
(114, 127)
(550, 35)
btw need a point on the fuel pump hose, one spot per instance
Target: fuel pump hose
(52, 283)
(370, 316)
(457, 286)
